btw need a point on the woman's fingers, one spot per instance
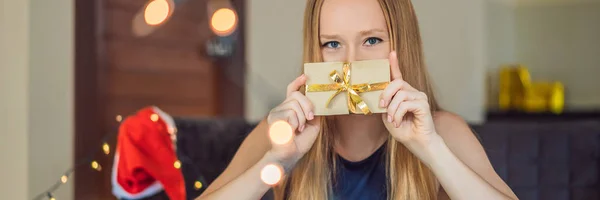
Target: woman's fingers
(401, 98)
(296, 109)
(296, 84)
(398, 98)
(419, 109)
(389, 92)
(306, 105)
(291, 117)
(403, 108)
(300, 116)
(282, 112)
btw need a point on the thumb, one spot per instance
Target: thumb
(296, 84)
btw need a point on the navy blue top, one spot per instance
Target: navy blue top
(365, 179)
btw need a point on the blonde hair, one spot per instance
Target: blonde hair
(408, 177)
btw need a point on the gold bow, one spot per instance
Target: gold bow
(352, 91)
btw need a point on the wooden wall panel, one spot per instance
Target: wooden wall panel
(119, 73)
(191, 87)
(127, 106)
(187, 26)
(165, 64)
(138, 56)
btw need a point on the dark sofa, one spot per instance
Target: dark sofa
(540, 160)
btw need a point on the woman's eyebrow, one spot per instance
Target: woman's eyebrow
(371, 31)
(361, 33)
(329, 37)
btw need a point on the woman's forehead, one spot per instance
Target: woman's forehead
(343, 16)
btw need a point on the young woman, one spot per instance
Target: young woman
(414, 151)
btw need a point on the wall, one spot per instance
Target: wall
(501, 37)
(37, 96)
(562, 42)
(454, 40)
(557, 40)
(274, 52)
(50, 93)
(455, 52)
(14, 77)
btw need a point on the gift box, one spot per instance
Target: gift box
(339, 88)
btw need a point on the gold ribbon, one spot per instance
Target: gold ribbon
(342, 84)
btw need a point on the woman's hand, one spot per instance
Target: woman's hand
(408, 118)
(296, 110)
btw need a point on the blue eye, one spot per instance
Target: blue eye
(332, 44)
(372, 41)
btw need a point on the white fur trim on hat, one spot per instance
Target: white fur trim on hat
(120, 193)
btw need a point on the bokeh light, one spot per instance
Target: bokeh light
(154, 117)
(106, 148)
(96, 166)
(177, 164)
(197, 185)
(271, 174)
(281, 132)
(156, 12)
(64, 179)
(223, 21)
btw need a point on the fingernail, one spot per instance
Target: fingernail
(311, 116)
(389, 119)
(381, 103)
(396, 124)
(301, 128)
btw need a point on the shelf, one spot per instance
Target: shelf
(568, 115)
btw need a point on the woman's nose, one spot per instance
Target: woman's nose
(351, 55)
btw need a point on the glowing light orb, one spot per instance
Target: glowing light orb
(281, 132)
(106, 148)
(154, 117)
(96, 166)
(177, 164)
(64, 179)
(223, 21)
(271, 174)
(197, 185)
(156, 12)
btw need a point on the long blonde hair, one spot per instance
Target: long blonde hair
(408, 177)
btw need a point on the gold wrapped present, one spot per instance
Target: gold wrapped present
(518, 92)
(338, 88)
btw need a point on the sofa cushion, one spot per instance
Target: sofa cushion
(557, 160)
(205, 147)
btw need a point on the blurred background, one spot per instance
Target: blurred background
(72, 69)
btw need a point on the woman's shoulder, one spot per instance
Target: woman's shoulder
(460, 139)
(455, 131)
(449, 123)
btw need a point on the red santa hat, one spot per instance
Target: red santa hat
(145, 157)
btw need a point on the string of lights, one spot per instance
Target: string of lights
(92, 162)
(89, 161)
(156, 12)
